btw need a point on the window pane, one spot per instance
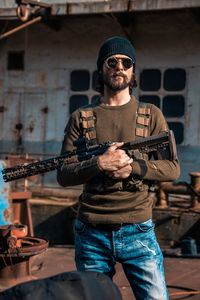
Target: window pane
(178, 130)
(94, 98)
(150, 80)
(150, 99)
(80, 80)
(94, 80)
(173, 106)
(16, 60)
(174, 79)
(77, 101)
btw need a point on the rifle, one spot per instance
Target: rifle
(163, 143)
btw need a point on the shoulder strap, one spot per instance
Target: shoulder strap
(88, 124)
(88, 120)
(143, 114)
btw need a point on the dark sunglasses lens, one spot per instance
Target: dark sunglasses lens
(112, 62)
(127, 63)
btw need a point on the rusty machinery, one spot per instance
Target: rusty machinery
(16, 249)
(29, 9)
(17, 244)
(25, 8)
(163, 189)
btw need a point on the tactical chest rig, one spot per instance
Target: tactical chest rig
(102, 183)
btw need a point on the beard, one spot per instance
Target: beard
(113, 83)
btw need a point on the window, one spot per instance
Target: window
(80, 80)
(94, 98)
(173, 106)
(174, 79)
(150, 80)
(16, 61)
(150, 99)
(165, 88)
(82, 88)
(178, 130)
(77, 101)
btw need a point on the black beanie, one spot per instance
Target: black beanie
(115, 45)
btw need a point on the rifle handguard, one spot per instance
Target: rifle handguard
(164, 141)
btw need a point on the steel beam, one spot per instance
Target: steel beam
(75, 7)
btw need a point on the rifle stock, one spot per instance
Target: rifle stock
(163, 143)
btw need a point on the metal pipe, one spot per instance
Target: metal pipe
(176, 188)
(65, 194)
(195, 184)
(2, 36)
(162, 197)
(181, 188)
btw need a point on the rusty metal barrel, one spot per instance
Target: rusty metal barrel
(16, 249)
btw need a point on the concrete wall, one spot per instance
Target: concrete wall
(38, 97)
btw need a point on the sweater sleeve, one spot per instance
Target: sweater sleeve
(158, 170)
(75, 173)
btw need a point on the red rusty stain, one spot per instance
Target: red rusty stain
(43, 78)
(5, 190)
(6, 214)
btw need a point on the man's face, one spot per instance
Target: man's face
(117, 77)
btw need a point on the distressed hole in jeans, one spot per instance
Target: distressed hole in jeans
(145, 246)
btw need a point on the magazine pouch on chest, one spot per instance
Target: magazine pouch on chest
(141, 131)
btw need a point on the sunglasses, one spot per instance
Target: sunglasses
(112, 62)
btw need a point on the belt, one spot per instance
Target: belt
(108, 227)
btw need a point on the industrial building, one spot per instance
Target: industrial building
(48, 53)
(48, 69)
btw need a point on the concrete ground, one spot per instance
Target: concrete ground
(182, 274)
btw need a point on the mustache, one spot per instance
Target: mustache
(119, 74)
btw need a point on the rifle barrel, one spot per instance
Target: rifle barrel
(148, 144)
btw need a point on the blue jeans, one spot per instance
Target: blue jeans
(134, 246)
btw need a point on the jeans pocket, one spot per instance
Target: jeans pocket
(145, 226)
(79, 226)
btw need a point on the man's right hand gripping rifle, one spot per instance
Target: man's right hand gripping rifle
(115, 162)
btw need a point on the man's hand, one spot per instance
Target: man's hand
(115, 162)
(121, 173)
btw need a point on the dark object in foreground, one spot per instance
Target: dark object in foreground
(70, 286)
(163, 144)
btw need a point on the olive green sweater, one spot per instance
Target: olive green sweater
(104, 200)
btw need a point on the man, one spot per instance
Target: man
(114, 217)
